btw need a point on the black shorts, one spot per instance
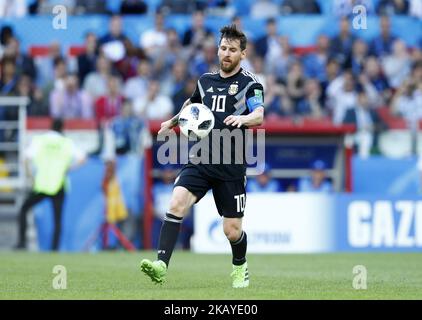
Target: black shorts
(229, 196)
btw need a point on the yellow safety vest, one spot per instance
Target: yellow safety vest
(52, 160)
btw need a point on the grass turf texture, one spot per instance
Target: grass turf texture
(116, 275)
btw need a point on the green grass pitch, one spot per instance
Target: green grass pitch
(116, 275)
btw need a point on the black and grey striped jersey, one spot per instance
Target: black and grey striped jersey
(238, 94)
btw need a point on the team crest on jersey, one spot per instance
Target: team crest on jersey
(234, 87)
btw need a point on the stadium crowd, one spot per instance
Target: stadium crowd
(342, 78)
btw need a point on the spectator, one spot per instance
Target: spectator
(296, 83)
(115, 31)
(344, 8)
(342, 44)
(315, 63)
(95, 83)
(37, 106)
(109, 105)
(13, 9)
(392, 7)
(373, 71)
(205, 61)
(154, 41)
(300, 6)
(128, 65)
(58, 81)
(24, 63)
(263, 182)
(129, 131)
(6, 33)
(358, 57)
(397, 65)
(279, 59)
(368, 124)
(137, 86)
(382, 45)
(71, 102)
(184, 93)
(133, 7)
(153, 105)
(312, 104)
(87, 60)
(278, 101)
(342, 95)
(332, 70)
(45, 65)
(8, 78)
(317, 181)
(407, 102)
(195, 35)
(269, 40)
(264, 9)
(176, 81)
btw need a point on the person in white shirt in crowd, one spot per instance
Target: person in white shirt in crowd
(153, 105)
(407, 102)
(154, 41)
(136, 87)
(341, 94)
(95, 83)
(397, 65)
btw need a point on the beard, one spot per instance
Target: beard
(230, 67)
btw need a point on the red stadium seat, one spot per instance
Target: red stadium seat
(39, 51)
(75, 51)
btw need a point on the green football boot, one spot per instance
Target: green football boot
(240, 276)
(156, 270)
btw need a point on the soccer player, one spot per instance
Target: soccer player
(235, 97)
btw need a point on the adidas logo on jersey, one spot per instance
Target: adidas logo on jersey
(210, 89)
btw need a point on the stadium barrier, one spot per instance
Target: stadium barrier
(319, 223)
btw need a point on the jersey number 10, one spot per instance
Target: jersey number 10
(218, 103)
(241, 202)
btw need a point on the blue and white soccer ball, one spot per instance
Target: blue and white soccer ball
(196, 119)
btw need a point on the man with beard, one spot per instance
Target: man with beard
(236, 99)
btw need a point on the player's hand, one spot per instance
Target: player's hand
(235, 121)
(166, 126)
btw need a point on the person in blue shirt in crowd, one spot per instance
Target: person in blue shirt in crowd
(263, 182)
(317, 181)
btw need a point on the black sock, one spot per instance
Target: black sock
(168, 237)
(239, 250)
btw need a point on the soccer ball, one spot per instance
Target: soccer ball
(196, 120)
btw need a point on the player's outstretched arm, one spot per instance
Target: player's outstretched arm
(170, 124)
(255, 118)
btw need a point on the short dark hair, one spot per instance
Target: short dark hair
(231, 32)
(57, 125)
